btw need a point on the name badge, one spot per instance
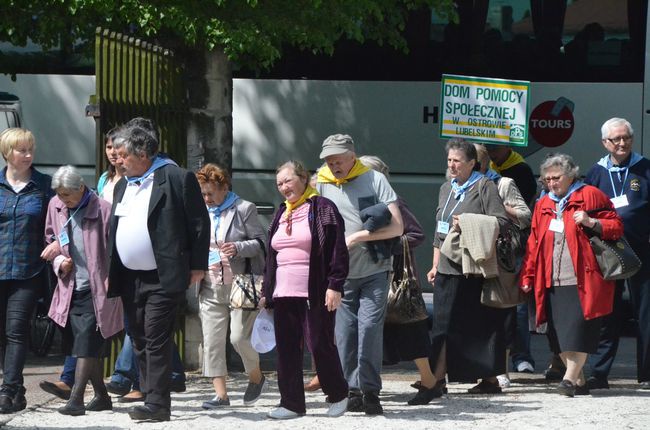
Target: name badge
(443, 227)
(121, 210)
(213, 258)
(63, 238)
(620, 201)
(556, 225)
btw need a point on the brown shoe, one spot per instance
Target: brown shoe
(58, 388)
(485, 387)
(313, 385)
(132, 397)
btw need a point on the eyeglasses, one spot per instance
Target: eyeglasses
(613, 140)
(550, 179)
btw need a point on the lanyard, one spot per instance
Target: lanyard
(81, 204)
(442, 215)
(611, 179)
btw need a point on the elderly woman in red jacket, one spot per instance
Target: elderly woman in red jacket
(570, 292)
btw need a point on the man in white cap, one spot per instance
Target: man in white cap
(360, 319)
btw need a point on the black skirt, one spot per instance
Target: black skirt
(566, 321)
(473, 333)
(81, 336)
(406, 342)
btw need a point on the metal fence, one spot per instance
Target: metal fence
(135, 78)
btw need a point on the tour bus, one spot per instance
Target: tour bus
(585, 60)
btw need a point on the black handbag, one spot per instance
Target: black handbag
(405, 301)
(616, 258)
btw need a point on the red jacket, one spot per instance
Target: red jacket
(596, 295)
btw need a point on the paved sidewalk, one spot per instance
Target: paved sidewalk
(530, 403)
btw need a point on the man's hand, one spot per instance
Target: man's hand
(196, 276)
(431, 276)
(332, 299)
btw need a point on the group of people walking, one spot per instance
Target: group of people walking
(125, 257)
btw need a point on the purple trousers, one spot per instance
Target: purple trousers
(295, 321)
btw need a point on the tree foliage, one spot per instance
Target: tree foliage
(251, 32)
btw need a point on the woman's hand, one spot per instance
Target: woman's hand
(229, 249)
(455, 225)
(332, 299)
(51, 251)
(262, 303)
(66, 267)
(431, 276)
(581, 218)
(526, 288)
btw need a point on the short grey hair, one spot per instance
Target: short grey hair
(375, 163)
(564, 162)
(467, 148)
(136, 140)
(67, 178)
(615, 122)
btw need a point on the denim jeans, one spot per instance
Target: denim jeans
(360, 331)
(69, 366)
(521, 351)
(17, 302)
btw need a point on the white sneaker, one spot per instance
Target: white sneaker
(504, 381)
(337, 409)
(525, 367)
(282, 414)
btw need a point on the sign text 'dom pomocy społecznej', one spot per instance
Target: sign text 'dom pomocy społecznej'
(484, 109)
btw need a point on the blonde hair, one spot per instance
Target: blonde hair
(12, 137)
(375, 163)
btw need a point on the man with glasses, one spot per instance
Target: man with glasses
(625, 177)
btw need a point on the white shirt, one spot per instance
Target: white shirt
(132, 237)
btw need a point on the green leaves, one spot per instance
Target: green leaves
(250, 32)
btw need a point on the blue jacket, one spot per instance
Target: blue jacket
(22, 223)
(635, 216)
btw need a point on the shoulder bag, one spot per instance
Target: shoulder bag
(405, 301)
(616, 258)
(246, 288)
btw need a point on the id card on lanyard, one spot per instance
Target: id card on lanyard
(619, 200)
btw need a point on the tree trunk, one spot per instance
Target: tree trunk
(209, 140)
(209, 126)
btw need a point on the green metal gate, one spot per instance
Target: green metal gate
(136, 78)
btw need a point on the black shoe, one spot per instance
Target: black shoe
(355, 402)
(72, 409)
(425, 395)
(100, 403)
(177, 387)
(6, 404)
(582, 390)
(566, 388)
(115, 388)
(595, 383)
(52, 388)
(442, 384)
(10, 404)
(149, 413)
(485, 387)
(371, 404)
(645, 385)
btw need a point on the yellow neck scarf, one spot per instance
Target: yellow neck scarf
(512, 160)
(325, 175)
(309, 192)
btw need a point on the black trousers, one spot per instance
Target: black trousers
(151, 312)
(639, 288)
(17, 302)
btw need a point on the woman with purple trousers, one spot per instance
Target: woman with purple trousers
(307, 263)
